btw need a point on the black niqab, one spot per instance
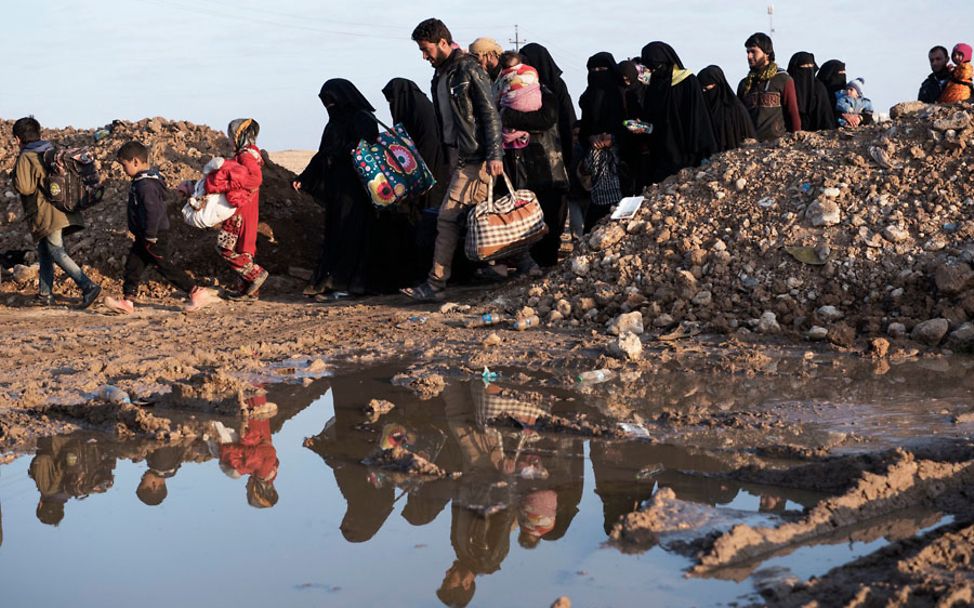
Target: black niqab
(832, 75)
(814, 105)
(730, 120)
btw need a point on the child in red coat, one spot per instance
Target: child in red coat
(239, 179)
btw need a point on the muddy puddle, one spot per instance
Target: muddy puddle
(465, 500)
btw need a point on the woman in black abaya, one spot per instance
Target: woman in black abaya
(682, 132)
(814, 103)
(731, 122)
(600, 132)
(410, 107)
(330, 177)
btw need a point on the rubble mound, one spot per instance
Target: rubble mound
(289, 234)
(831, 235)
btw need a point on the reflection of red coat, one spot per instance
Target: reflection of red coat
(254, 454)
(240, 179)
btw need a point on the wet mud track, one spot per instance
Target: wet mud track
(734, 463)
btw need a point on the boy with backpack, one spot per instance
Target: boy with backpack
(148, 221)
(48, 224)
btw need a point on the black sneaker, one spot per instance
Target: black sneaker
(88, 297)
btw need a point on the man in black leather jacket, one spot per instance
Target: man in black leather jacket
(471, 131)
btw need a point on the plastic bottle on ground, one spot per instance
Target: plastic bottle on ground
(595, 376)
(522, 324)
(113, 394)
(485, 320)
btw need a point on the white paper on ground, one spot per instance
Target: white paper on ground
(627, 208)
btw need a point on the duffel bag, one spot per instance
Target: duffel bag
(504, 227)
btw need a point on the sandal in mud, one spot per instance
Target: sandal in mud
(423, 293)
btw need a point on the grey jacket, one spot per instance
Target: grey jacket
(475, 118)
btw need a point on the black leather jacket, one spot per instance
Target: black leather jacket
(475, 117)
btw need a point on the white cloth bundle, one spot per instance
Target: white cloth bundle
(204, 210)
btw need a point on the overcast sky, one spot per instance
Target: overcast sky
(86, 62)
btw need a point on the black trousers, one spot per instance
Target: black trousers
(145, 255)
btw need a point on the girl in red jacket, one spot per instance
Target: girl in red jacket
(239, 179)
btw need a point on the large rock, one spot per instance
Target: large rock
(953, 278)
(931, 332)
(823, 212)
(955, 122)
(962, 338)
(768, 323)
(606, 236)
(627, 323)
(627, 347)
(907, 108)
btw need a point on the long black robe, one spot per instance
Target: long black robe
(730, 120)
(832, 75)
(411, 107)
(549, 74)
(814, 104)
(331, 178)
(682, 132)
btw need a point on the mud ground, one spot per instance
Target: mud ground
(883, 434)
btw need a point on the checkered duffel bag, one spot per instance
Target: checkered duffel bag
(501, 228)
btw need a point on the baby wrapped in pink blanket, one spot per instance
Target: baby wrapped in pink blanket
(517, 88)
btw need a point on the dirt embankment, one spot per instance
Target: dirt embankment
(825, 236)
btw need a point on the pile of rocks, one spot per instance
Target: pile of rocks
(291, 223)
(828, 236)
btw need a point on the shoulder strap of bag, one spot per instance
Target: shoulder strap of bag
(392, 132)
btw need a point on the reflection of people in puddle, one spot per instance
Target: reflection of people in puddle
(536, 516)
(68, 467)
(250, 452)
(342, 446)
(163, 464)
(482, 522)
(481, 543)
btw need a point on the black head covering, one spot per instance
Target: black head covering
(404, 98)
(339, 94)
(832, 75)
(603, 107)
(347, 122)
(660, 58)
(540, 59)
(659, 54)
(813, 98)
(730, 120)
(763, 42)
(635, 91)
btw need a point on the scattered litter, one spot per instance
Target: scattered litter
(489, 376)
(595, 376)
(633, 431)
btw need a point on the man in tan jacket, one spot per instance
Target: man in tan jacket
(48, 225)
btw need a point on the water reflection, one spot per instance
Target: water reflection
(69, 467)
(517, 487)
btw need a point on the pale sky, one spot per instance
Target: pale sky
(87, 62)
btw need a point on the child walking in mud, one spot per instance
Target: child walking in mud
(240, 179)
(148, 221)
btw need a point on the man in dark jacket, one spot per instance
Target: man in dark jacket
(471, 131)
(933, 86)
(768, 93)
